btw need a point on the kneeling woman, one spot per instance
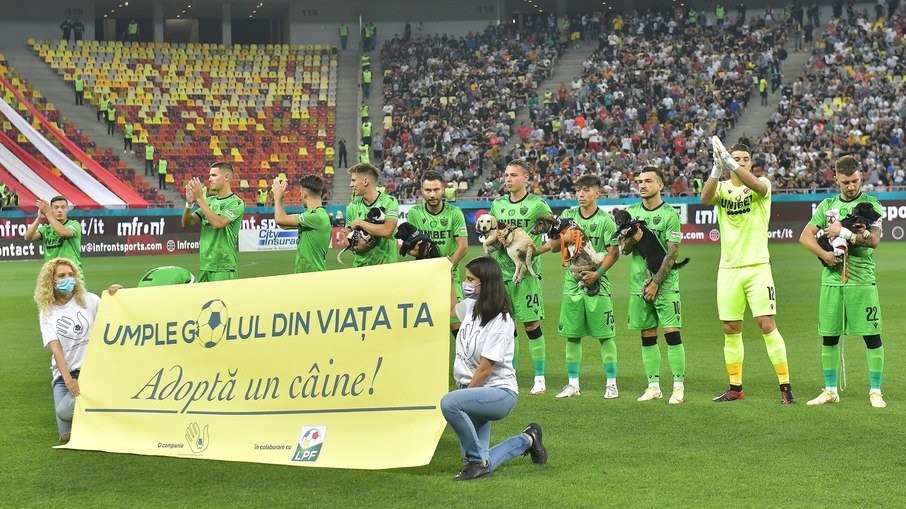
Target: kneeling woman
(66, 314)
(484, 373)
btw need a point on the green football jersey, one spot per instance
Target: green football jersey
(743, 217)
(384, 251)
(599, 229)
(314, 239)
(59, 247)
(443, 228)
(861, 258)
(523, 214)
(217, 247)
(664, 222)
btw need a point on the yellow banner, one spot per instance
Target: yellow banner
(336, 369)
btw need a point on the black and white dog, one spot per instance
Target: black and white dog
(634, 235)
(857, 221)
(412, 237)
(360, 241)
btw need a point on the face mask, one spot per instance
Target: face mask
(468, 288)
(65, 285)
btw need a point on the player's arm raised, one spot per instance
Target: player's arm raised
(188, 217)
(709, 190)
(278, 188)
(751, 181)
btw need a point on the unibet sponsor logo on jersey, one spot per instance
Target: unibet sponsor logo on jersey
(214, 324)
(738, 206)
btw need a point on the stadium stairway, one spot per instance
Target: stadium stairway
(347, 126)
(753, 120)
(43, 78)
(566, 69)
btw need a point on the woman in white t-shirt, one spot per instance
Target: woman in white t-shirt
(484, 374)
(66, 314)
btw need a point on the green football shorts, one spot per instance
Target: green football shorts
(584, 315)
(665, 310)
(858, 307)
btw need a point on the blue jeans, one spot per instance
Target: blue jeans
(470, 412)
(64, 405)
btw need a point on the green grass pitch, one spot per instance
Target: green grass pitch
(616, 453)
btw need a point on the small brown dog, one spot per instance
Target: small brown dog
(575, 249)
(518, 245)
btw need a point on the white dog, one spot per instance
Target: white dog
(518, 244)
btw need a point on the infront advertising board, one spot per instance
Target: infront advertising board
(126, 233)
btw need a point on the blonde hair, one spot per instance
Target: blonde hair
(44, 295)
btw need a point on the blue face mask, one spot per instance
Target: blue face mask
(468, 289)
(65, 285)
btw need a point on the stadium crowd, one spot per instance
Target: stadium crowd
(451, 101)
(849, 101)
(653, 93)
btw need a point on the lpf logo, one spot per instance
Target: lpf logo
(311, 439)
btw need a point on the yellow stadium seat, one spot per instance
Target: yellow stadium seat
(244, 184)
(169, 178)
(281, 176)
(262, 183)
(328, 170)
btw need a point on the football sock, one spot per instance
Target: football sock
(573, 357)
(609, 357)
(676, 355)
(538, 349)
(875, 358)
(733, 355)
(651, 359)
(777, 354)
(830, 362)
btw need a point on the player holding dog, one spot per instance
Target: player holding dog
(655, 299)
(744, 277)
(589, 315)
(442, 222)
(521, 208)
(363, 181)
(852, 307)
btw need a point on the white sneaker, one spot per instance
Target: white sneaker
(540, 386)
(651, 392)
(876, 399)
(611, 392)
(826, 396)
(568, 391)
(679, 396)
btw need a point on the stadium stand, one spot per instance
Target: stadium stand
(450, 102)
(849, 100)
(106, 172)
(269, 109)
(654, 92)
